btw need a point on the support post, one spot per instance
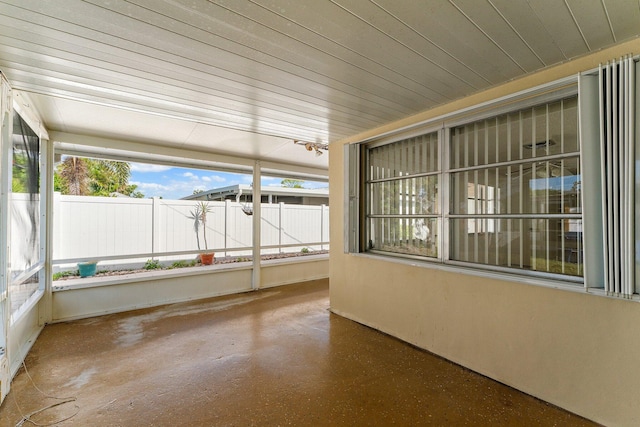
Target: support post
(257, 217)
(46, 232)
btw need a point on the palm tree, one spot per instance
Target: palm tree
(109, 176)
(89, 177)
(75, 172)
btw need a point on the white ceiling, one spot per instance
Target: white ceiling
(246, 78)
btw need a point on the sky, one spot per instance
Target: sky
(171, 182)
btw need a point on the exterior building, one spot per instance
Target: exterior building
(242, 193)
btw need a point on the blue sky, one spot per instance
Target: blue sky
(171, 182)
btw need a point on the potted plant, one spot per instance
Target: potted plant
(200, 220)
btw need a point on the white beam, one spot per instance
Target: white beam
(118, 149)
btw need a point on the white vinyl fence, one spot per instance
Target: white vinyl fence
(95, 228)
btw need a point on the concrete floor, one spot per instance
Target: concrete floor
(268, 358)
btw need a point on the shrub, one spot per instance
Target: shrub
(305, 250)
(182, 264)
(61, 274)
(152, 264)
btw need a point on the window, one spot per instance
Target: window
(502, 192)
(515, 190)
(402, 203)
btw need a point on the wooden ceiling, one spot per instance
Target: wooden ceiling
(248, 77)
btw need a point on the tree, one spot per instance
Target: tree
(109, 177)
(89, 177)
(74, 173)
(292, 183)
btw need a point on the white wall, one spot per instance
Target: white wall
(575, 350)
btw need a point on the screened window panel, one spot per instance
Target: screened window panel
(26, 267)
(25, 198)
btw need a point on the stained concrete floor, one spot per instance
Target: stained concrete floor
(270, 358)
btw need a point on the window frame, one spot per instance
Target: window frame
(366, 216)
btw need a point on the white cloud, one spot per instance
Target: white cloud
(150, 186)
(145, 167)
(180, 183)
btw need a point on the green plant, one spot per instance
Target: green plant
(152, 264)
(305, 250)
(61, 274)
(182, 264)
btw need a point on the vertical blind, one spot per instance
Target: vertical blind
(617, 151)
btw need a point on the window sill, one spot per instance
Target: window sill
(496, 275)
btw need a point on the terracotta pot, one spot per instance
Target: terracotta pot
(207, 259)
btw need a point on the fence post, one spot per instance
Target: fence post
(322, 227)
(280, 213)
(57, 224)
(155, 225)
(227, 209)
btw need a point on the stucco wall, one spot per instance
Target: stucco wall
(572, 349)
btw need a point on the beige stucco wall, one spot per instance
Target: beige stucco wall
(575, 350)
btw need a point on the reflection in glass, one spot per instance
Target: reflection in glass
(405, 196)
(411, 236)
(530, 133)
(545, 245)
(545, 187)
